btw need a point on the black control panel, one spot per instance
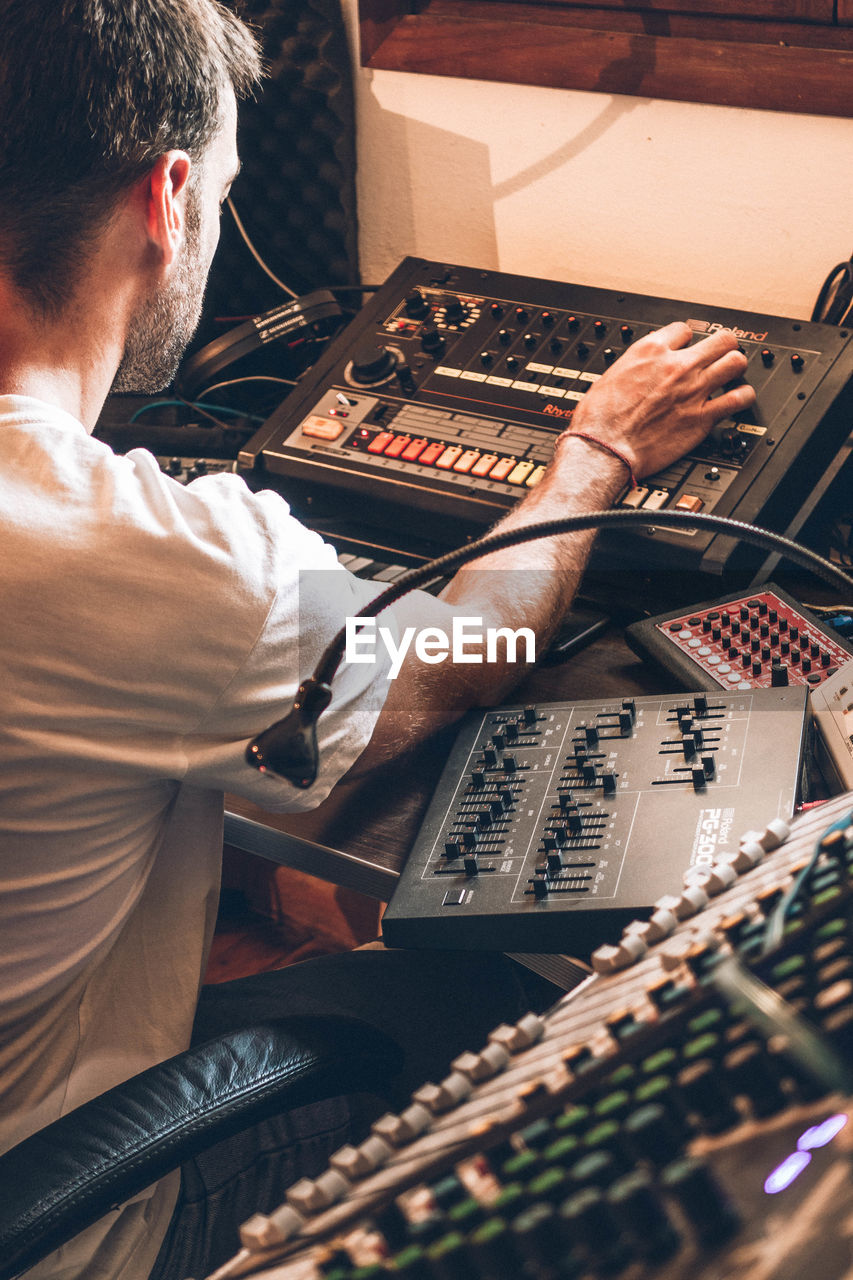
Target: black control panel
(554, 825)
(446, 393)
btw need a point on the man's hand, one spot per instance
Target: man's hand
(653, 404)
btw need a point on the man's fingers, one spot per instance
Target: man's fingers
(731, 402)
(727, 368)
(713, 347)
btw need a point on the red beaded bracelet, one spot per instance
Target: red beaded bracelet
(602, 444)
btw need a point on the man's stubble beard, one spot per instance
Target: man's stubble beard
(162, 328)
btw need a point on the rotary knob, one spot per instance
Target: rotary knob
(416, 305)
(373, 363)
(454, 310)
(431, 340)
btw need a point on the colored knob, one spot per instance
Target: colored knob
(767, 357)
(600, 328)
(797, 362)
(504, 337)
(530, 339)
(626, 333)
(547, 318)
(520, 314)
(497, 310)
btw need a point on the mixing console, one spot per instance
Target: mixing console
(648, 1126)
(753, 641)
(546, 829)
(445, 395)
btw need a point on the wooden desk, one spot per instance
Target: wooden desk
(375, 821)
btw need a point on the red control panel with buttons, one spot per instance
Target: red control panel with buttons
(764, 639)
(446, 393)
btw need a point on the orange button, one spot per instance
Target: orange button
(467, 460)
(412, 450)
(432, 451)
(689, 502)
(449, 456)
(484, 466)
(503, 468)
(322, 428)
(380, 443)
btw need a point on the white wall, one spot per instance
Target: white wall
(711, 204)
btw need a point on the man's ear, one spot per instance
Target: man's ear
(165, 203)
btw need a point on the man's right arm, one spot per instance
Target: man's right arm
(658, 401)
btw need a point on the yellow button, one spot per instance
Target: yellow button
(520, 472)
(535, 476)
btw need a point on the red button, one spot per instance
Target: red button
(380, 443)
(397, 446)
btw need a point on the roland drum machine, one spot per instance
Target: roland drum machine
(444, 397)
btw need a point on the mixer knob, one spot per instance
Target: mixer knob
(520, 315)
(697, 777)
(583, 350)
(499, 740)
(608, 782)
(173, 467)
(374, 363)
(454, 310)
(572, 322)
(767, 357)
(416, 304)
(590, 732)
(496, 310)
(528, 715)
(556, 346)
(627, 333)
(510, 764)
(486, 358)
(589, 771)
(511, 731)
(566, 801)
(688, 746)
(600, 328)
(431, 340)
(713, 475)
(574, 822)
(778, 675)
(504, 336)
(709, 765)
(490, 757)
(609, 355)
(626, 722)
(555, 860)
(512, 362)
(797, 362)
(470, 864)
(530, 339)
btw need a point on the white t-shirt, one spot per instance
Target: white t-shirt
(148, 630)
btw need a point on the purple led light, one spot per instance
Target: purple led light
(819, 1135)
(785, 1173)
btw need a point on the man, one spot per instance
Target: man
(150, 631)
